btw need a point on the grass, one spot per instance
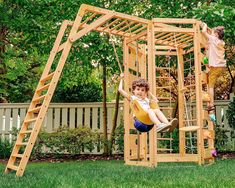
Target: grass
(116, 174)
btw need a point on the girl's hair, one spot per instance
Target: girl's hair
(220, 31)
(140, 83)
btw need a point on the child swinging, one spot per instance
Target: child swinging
(141, 107)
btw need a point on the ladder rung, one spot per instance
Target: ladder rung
(164, 98)
(190, 120)
(189, 128)
(17, 155)
(164, 77)
(48, 77)
(22, 144)
(43, 87)
(30, 120)
(39, 98)
(26, 132)
(165, 139)
(164, 149)
(13, 167)
(35, 109)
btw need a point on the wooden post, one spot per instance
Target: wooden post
(127, 121)
(199, 105)
(181, 101)
(152, 84)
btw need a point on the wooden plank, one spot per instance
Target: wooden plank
(72, 118)
(15, 118)
(92, 26)
(164, 36)
(140, 30)
(165, 53)
(64, 117)
(109, 119)
(118, 14)
(57, 119)
(87, 117)
(181, 99)
(110, 24)
(152, 84)
(127, 120)
(8, 121)
(118, 25)
(175, 20)
(101, 120)
(89, 18)
(199, 105)
(178, 30)
(22, 114)
(79, 117)
(177, 158)
(49, 121)
(94, 118)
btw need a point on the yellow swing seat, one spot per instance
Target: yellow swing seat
(139, 112)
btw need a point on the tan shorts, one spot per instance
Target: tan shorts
(214, 73)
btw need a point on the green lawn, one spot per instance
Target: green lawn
(116, 174)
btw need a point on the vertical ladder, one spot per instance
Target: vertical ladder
(40, 102)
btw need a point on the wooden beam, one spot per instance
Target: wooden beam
(165, 53)
(118, 14)
(92, 26)
(199, 105)
(175, 20)
(178, 30)
(136, 37)
(181, 99)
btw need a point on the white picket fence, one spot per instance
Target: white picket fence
(79, 114)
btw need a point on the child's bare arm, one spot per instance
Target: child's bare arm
(123, 93)
(153, 96)
(204, 30)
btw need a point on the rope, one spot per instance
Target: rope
(115, 52)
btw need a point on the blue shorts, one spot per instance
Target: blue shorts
(141, 126)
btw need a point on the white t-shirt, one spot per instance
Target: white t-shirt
(144, 103)
(216, 52)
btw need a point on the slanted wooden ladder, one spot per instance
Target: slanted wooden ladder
(38, 107)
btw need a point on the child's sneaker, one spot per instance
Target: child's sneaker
(162, 127)
(173, 124)
(212, 117)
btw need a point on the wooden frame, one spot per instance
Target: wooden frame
(170, 40)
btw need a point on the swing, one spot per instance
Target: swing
(140, 113)
(141, 116)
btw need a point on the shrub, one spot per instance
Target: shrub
(231, 114)
(5, 148)
(64, 141)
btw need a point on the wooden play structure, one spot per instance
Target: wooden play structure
(145, 45)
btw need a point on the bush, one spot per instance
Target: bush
(64, 141)
(5, 148)
(231, 114)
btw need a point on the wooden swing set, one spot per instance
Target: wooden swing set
(153, 39)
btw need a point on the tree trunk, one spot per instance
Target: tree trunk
(105, 111)
(114, 123)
